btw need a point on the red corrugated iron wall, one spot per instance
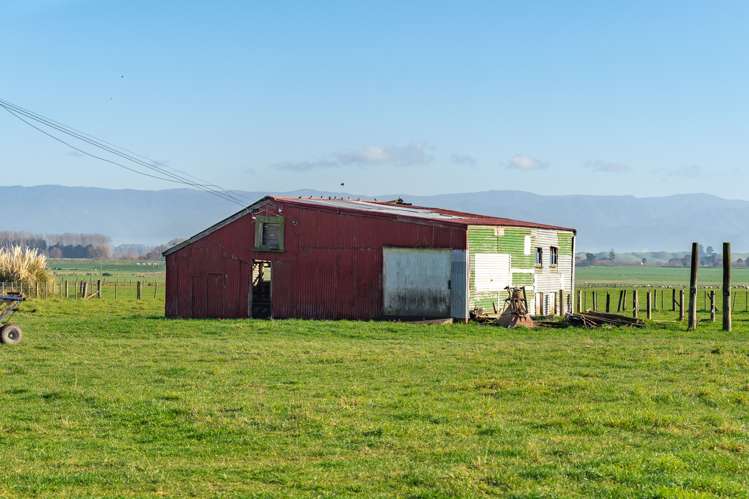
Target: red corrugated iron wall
(331, 266)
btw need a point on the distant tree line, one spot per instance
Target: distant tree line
(708, 258)
(142, 251)
(66, 245)
(71, 245)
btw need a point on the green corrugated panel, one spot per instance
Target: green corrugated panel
(522, 279)
(484, 240)
(565, 243)
(513, 242)
(480, 240)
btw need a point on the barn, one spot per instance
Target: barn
(334, 258)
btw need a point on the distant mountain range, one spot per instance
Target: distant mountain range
(625, 223)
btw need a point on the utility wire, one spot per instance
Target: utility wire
(53, 137)
(51, 122)
(117, 151)
(113, 150)
(160, 172)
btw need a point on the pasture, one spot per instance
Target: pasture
(108, 398)
(660, 276)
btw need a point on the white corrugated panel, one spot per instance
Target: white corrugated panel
(492, 271)
(550, 279)
(416, 282)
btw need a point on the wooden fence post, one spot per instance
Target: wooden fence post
(712, 305)
(649, 305)
(98, 288)
(578, 304)
(595, 301)
(608, 302)
(692, 323)
(156, 287)
(115, 290)
(727, 305)
(681, 304)
(138, 290)
(635, 303)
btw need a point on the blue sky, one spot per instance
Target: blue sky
(643, 98)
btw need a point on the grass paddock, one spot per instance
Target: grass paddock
(109, 398)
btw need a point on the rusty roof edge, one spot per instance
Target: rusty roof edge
(213, 228)
(508, 222)
(463, 219)
(365, 213)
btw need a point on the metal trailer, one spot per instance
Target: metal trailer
(10, 334)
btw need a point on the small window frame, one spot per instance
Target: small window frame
(539, 257)
(553, 256)
(260, 223)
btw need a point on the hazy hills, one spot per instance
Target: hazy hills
(625, 223)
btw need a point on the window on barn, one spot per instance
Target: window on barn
(539, 257)
(269, 233)
(554, 254)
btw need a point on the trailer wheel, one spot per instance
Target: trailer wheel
(11, 334)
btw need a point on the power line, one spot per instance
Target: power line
(51, 122)
(160, 172)
(118, 152)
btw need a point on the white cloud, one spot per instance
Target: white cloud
(606, 166)
(688, 171)
(407, 155)
(463, 159)
(525, 163)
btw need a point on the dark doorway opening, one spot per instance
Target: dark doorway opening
(261, 289)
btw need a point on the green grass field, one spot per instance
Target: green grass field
(645, 275)
(108, 398)
(73, 269)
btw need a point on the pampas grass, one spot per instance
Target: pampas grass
(23, 265)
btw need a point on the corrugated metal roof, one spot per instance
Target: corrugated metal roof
(375, 207)
(421, 212)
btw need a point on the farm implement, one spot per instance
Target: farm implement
(10, 334)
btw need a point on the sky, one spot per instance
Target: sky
(423, 97)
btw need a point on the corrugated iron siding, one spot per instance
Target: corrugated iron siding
(331, 267)
(512, 241)
(549, 280)
(494, 240)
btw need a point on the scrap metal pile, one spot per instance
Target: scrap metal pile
(598, 319)
(591, 319)
(515, 313)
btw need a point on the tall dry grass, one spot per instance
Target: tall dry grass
(23, 265)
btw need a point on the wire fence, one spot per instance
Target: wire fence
(643, 300)
(113, 289)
